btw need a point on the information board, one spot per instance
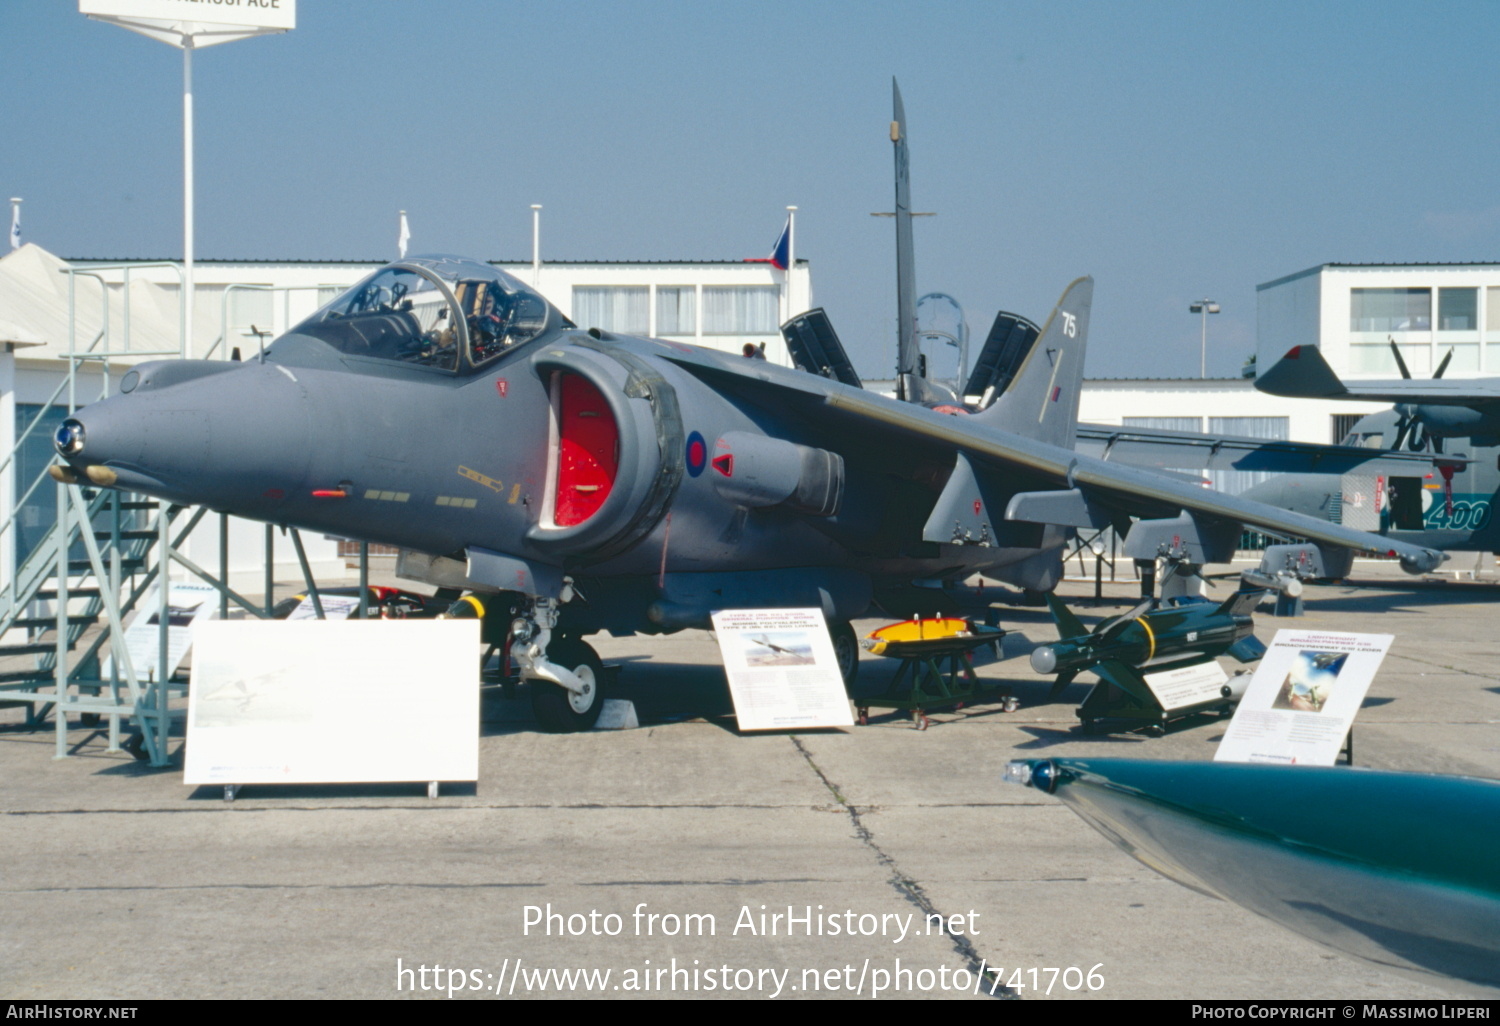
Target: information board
(326, 701)
(782, 670)
(1303, 698)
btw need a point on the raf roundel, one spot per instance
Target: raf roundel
(697, 454)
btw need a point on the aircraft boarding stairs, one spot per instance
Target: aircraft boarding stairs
(62, 617)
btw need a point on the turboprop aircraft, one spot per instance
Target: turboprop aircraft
(1449, 507)
(623, 484)
(1434, 408)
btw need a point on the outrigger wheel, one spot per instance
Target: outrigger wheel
(560, 711)
(846, 651)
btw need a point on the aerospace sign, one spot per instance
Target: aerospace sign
(277, 14)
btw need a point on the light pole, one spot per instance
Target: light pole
(1204, 307)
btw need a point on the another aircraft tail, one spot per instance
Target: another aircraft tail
(1042, 400)
(1301, 374)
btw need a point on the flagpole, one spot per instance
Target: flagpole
(791, 258)
(536, 245)
(187, 195)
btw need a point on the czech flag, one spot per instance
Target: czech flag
(783, 248)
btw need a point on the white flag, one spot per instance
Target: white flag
(15, 226)
(403, 238)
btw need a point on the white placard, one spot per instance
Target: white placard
(275, 14)
(1303, 698)
(188, 607)
(335, 607)
(782, 670)
(325, 701)
(1188, 685)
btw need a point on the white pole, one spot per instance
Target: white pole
(187, 194)
(791, 258)
(15, 224)
(536, 245)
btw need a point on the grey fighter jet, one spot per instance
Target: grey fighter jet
(624, 484)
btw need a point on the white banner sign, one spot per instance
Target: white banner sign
(271, 14)
(1303, 698)
(782, 670)
(324, 701)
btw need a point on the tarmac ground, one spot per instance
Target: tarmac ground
(663, 854)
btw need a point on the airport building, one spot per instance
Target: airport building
(1352, 312)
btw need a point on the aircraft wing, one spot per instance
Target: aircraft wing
(1303, 374)
(1082, 488)
(1183, 450)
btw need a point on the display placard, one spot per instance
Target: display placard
(1188, 685)
(188, 607)
(335, 607)
(782, 670)
(1303, 698)
(331, 701)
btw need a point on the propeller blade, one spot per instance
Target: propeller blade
(1400, 363)
(1444, 365)
(1395, 351)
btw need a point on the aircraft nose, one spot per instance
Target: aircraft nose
(214, 439)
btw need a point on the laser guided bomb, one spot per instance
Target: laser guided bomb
(1171, 638)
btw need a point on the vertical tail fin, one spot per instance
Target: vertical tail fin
(1042, 400)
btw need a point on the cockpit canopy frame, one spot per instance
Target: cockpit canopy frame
(444, 313)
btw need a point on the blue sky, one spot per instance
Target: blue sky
(1172, 150)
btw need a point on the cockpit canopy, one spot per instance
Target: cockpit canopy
(447, 313)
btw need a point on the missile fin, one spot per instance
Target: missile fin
(1126, 679)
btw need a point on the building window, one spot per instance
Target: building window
(740, 309)
(676, 310)
(621, 308)
(1164, 423)
(1390, 309)
(1458, 309)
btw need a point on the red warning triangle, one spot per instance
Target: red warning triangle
(725, 464)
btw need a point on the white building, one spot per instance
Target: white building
(1352, 312)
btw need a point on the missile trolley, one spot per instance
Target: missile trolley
(922, 645)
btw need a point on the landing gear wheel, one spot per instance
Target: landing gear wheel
(919, 719)
(560, 711)
(846, 652)
(864, 716)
